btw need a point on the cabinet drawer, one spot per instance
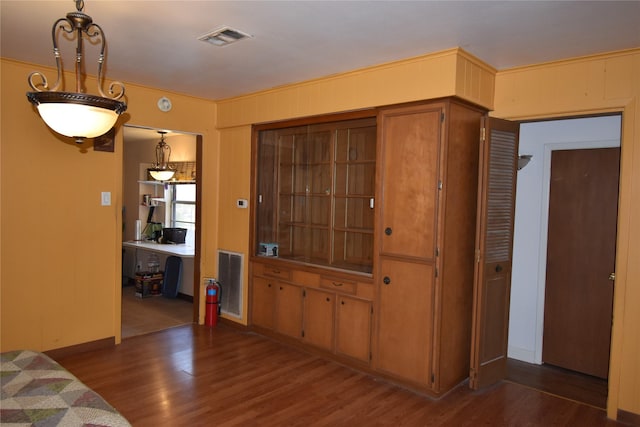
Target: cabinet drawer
(340, 285)
(271, 271)
(305, 278)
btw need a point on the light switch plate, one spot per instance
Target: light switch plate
(106, 198)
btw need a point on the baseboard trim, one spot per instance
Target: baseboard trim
(628, 418)
(81, 348)
(235, 325)
(522, 355)
(185, 297)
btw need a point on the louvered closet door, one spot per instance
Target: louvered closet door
(494, 243)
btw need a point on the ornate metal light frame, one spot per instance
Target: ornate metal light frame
(77, 114)
(162, 170)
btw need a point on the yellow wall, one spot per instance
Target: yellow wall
(235, 175)
(430, 76)
(591, 85)
(60, 249)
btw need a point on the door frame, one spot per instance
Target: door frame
(199, 138)
(548, 148)
(528, 111)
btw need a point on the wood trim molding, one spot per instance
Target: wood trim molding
(81, 348)
(628, 417)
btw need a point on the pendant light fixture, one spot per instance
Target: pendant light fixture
(77, 114)
(162, 170)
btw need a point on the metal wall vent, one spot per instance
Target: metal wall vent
(224, 36)
(230, 268)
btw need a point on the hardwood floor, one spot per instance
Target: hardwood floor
(197, 376)
(143, 315)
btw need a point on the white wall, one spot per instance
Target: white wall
(531, 220)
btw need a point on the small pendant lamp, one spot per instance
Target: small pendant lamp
(162, 170)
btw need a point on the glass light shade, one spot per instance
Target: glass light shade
(161, 174)
(77, 115)
(75, 120)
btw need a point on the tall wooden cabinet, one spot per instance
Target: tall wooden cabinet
(375, 223)
(427, 191)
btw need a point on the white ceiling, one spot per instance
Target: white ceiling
(154, 43)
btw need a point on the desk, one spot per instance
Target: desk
(184, 251)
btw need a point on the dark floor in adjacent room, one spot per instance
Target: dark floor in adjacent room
(558, 381)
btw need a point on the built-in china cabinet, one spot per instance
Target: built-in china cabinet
(315, 193)
(363, 238)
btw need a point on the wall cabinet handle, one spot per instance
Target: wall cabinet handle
(388, 231)
(386, 280)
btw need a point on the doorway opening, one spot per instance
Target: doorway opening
(161, 231)
(537, 254)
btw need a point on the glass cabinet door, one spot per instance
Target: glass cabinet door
(355, 170)
(315, 189)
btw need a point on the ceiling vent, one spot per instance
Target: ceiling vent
(224, 36)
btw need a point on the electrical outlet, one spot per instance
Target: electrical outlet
(106, 198)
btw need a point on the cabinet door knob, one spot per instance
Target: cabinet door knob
(328, 299)
(386, 280)
(342, 302)
(388, 231)
(498, 268)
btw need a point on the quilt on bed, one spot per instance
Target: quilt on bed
(37, 391)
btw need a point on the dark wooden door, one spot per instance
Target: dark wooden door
(494, 244)
(583, 209)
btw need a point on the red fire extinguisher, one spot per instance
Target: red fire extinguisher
(212, 303)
